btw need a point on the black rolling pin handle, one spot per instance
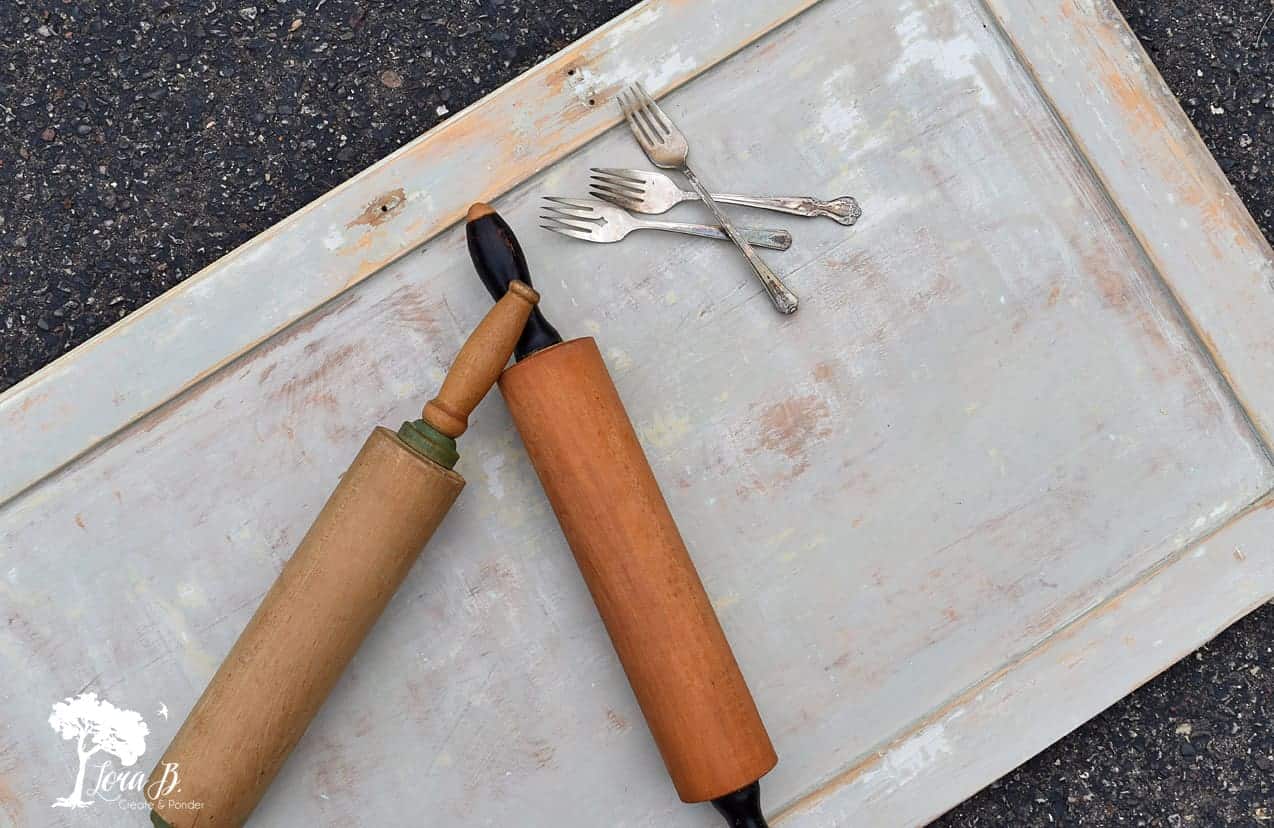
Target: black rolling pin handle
(498, 258)
(742, 809)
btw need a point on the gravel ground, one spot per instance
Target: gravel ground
(141, 141)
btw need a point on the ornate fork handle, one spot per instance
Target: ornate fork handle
(760, 237)
(844, 210)
(781, 296)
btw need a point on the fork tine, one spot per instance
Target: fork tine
(654, 108)
(566, 223)
(609, 193)
(644, 115)
(657, 115)
(620, 180)
(651, 133)
(625, 105)
(629, 103)
(584, 204)
(618, 185)
(566, 218)
(622, 201)
(636, 177)
(627, 202)
(567, 205)
(622, 97)
(574, 234)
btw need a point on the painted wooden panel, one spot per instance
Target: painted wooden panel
(989, 428)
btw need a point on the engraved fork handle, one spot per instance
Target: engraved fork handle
(784, 300)
(844, 210)
(758, 236)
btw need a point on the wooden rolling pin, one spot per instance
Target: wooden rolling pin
(628, 548)
(328, 596)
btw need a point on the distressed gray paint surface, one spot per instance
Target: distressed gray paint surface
(950, 754)
(1190, 222)
(987, 420)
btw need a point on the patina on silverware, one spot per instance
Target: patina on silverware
(644, 191)
(668, 149)
(598, 221)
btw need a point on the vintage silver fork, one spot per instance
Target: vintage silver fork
(598, 221)
(666, 147)
(643, 191)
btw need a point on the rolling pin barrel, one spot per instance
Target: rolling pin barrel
(328, 596)
(636, 566)
(306, 630)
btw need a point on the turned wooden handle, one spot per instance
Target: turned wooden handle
(480, 361)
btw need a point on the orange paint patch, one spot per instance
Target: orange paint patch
(304, 386)
(617, 722)
(34, 399)
(381, 209)
(1111, 284)
(789, 427)
(1142, 113)
(9, 804)
(337, 775)
(543, 755)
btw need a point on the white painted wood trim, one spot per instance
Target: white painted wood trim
(353, 231)
(1082, 668)
(1140, 145)
(1130, 129)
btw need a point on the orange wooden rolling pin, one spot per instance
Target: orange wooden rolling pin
(629, 550)
(328, 596)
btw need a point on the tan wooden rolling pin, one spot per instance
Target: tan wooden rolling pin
(632, 557)
(328, 596)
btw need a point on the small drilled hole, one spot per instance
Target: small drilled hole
(384, 208)
(591, 101)
(570, 71)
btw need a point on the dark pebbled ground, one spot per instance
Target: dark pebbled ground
(1193, 747)
(141, 140)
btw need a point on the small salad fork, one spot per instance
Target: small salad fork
(643, 191)
(598, 221)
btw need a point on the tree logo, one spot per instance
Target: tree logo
(97, 725)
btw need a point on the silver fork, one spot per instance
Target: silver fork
(643, 191)
(598, 221)
(666, 147)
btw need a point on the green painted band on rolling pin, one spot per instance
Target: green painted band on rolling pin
(428, 441)
(158, 821)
